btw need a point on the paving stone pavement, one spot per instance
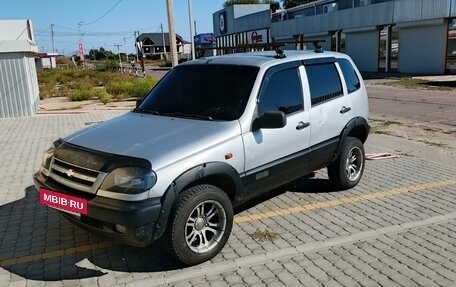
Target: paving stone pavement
(396, 228)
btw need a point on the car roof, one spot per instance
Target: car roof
(260, 59)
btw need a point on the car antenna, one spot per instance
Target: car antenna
(317, 45)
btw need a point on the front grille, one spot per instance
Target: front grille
(76, 177)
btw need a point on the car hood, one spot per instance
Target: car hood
(161, 140)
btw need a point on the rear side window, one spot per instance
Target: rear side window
(282, 92)
(351, 79)
(324, 82)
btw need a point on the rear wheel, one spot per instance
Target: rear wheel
(346, 171)
(200, 224)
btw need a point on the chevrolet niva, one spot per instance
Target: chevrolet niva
(212, 134)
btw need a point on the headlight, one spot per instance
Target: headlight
(131, 180)
(47, 157)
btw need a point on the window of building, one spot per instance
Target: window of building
(338, 41)
(351, 78)
(324, 82)
(451, 47)
(275, 96)
(388, 53)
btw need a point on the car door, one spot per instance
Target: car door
(275, 156)
(330, 109)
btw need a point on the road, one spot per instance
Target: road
(422, 106)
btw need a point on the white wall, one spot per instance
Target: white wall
(363, 48)
(16, 30)
(422, 49)
(19, 93)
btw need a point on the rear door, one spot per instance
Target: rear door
(330, 111)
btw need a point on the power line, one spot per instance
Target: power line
(98, 19)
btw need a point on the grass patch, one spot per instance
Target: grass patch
(132, 88)
(382, 132)
(80, 85)
(379, 126)
(87, 94)
(385, 122)
(264, 235)
(410, 83)
(434, 144)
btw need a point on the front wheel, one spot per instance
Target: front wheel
(200, 224)
(346, 171)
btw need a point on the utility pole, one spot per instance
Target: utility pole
(172, 32)
(125, 45)
(136, 46)
(52, 35)
(190, 19)
(120, 59)
(164, 44)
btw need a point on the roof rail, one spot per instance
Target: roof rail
(317, 46)
(270, 46)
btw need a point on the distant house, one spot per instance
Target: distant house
(152, 44)
(19, 93)
(46, 60)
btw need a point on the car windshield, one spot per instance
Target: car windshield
(208, 92)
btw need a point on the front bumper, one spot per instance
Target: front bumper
(137, 219)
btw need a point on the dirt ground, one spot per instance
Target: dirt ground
(443, 138)
(61, 105)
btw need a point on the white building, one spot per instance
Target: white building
(19, 93)
(405, 36)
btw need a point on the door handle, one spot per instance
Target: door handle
(302, 125)
(344, 110)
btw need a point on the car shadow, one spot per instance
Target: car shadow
(38, 243)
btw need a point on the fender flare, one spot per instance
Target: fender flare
(188, 177)
(355, 123)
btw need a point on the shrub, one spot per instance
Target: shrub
(103, 96)
(108, 66)
(89, 94)
(78, 85)
(136, 88)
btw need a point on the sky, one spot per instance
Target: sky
(105, 23)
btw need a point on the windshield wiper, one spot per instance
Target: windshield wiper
(188, 116)
(144, 111)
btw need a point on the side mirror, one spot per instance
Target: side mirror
(270, 120)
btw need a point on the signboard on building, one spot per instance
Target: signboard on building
(257, 36)
(206, 38)
(81, 51)
(222, 22)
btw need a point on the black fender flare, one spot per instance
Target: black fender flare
(355, 123)
(192, 175)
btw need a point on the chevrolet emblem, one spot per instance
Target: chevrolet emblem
(70, 172)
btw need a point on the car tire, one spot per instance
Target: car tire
(200, 224)
(346, 171)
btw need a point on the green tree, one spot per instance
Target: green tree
(234, 2)
(293, 3)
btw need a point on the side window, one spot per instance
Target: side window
(324, 82)
(282, 92)
(351, 79)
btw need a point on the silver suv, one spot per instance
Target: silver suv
(212, 134)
